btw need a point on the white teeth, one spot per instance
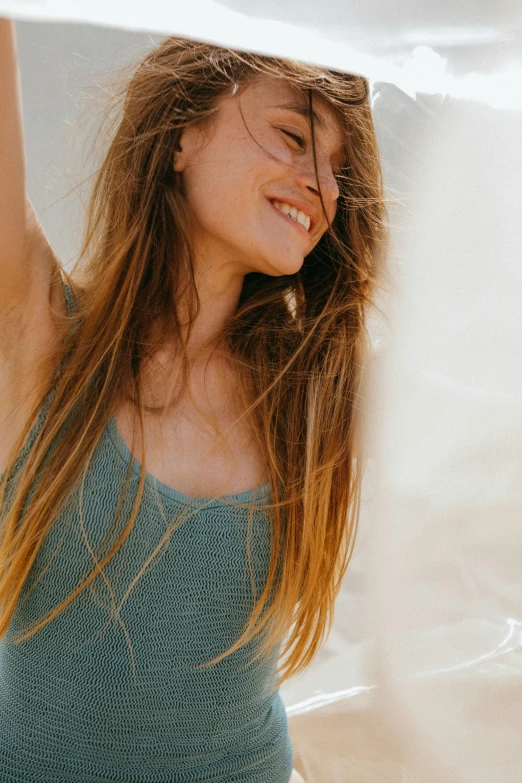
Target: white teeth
(303, 219)
(297, 215)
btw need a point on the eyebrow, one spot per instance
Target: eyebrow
(303, 111)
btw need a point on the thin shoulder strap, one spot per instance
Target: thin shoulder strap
(70, 299)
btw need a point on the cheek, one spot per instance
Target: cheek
(275, 149)
(205, 189)
(226, 188)
(220, 200)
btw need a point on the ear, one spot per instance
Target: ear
(187, 147)
(179, 158)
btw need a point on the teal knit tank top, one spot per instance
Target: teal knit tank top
(85, 699)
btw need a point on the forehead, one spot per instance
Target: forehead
(269, 93)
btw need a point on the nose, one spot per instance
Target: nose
(325, 178)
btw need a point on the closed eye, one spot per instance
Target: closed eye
(295, 137)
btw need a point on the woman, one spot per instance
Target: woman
(181, 468)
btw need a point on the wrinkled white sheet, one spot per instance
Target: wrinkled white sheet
(421, 678)
(395, 42)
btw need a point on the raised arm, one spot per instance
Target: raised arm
(27, 328)
(13, 256)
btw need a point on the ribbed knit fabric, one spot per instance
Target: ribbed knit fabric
(72, 708)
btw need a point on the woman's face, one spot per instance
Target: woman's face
(241, 173)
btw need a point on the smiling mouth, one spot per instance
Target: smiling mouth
(291, 213)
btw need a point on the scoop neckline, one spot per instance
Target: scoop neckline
(187, 500)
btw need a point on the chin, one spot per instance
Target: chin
(279, 268)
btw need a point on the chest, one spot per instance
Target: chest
(184, 452)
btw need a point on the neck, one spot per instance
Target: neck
(219, 289)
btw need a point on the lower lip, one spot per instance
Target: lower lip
(290, 220)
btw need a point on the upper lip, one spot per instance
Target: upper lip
(302, 206)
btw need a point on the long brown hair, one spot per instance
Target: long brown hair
(297, 342)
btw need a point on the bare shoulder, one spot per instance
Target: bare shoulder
(28, 341)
